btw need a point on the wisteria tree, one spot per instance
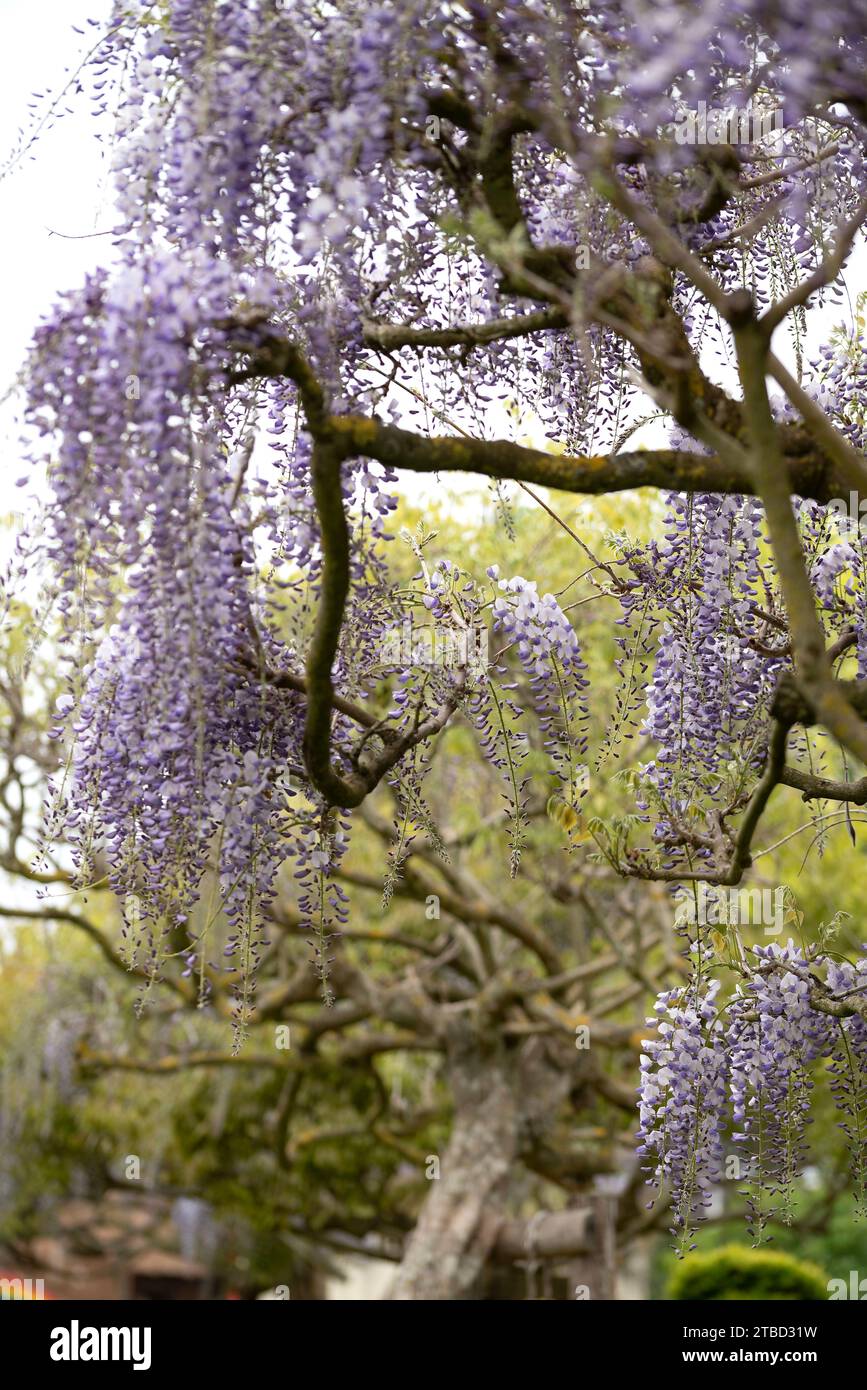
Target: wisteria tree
(360, 241)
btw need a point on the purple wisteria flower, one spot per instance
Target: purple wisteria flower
(682, 1107)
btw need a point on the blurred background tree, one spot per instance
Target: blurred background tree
(466, 1110)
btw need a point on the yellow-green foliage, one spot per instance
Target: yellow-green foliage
(735, 1272)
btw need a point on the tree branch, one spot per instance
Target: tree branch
(350, 789)
(390, 336)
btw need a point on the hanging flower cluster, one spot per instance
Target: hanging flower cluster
(694, 616)
(548, 650)
(741, 1071)
(683, 1101)
(709, 678)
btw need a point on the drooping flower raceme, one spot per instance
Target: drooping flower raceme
(683, 1102)
(774, 1034)
(740, 1072)
(547, 648)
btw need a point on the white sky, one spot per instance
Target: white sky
(58, 188)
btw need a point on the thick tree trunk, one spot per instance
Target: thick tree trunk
(502, 1097)
(450, 1243)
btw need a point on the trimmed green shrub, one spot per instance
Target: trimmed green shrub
(735, 1271)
